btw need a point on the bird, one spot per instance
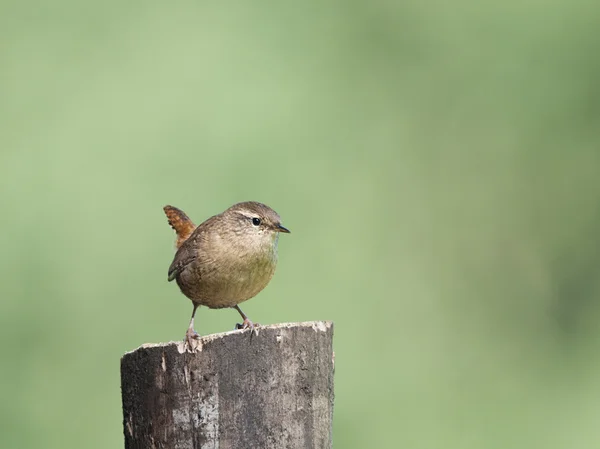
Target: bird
(226, 260)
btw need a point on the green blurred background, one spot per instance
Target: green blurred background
(437, 162)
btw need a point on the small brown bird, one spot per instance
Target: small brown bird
(226, 260)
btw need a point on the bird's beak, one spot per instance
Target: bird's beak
(282, 229)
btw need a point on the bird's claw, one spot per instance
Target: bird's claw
(192, 340)
(247, 324)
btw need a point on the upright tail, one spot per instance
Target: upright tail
(181, 223)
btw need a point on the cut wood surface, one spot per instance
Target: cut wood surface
(239, 390)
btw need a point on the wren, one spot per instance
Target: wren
(226, 260)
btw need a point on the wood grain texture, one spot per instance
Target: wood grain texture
(241, 390)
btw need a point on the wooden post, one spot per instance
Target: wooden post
(240, 390)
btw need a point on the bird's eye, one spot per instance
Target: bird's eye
(256, 221)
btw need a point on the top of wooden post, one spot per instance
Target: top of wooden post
(271, 329)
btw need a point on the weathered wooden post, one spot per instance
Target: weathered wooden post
(241, 390)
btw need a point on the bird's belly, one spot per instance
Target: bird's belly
(220, 288)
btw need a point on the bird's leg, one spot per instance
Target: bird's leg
(191, 336)
(247, 324)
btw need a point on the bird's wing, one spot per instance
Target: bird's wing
(185, 255)
(191, 249)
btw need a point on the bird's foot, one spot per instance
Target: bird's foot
(247, 324)
(192, 340)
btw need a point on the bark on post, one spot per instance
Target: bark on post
(271, 390)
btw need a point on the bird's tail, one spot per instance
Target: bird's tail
(181, 223)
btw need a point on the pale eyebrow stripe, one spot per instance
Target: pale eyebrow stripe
(248, 214)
